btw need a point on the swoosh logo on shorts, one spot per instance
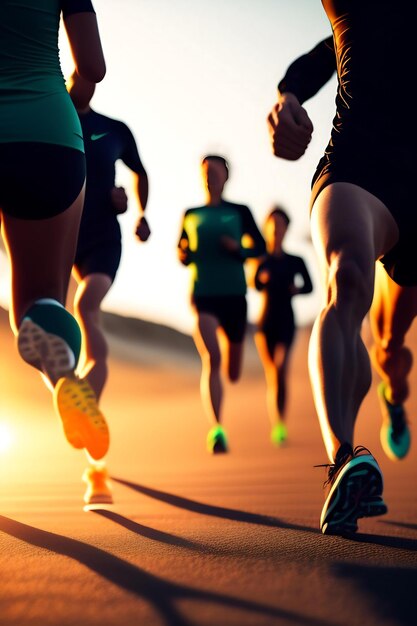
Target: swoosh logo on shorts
(95, 136)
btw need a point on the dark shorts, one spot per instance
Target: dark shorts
(100, 258)
(276, 334)
(39, 180)
(230, 311)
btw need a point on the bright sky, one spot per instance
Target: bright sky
(191, 77)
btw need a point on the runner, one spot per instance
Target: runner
(42, 178)
(99, 243)
(276, 278)
(362, 192)
(211, 245)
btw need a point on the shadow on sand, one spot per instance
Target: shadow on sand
(216, 511)
(390, 589)
(160, 593)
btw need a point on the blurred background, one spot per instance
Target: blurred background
(191, 77)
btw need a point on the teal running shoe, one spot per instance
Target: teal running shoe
(395, 433)
(217, 440)
(279, 434)
(355, 487)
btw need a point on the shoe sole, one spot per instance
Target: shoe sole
(48, 353)
(356, 493)
(84, 425)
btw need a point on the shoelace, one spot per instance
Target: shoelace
(344, 454)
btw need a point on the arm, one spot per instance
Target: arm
(183, 248)
(251, 230)
(307, 284)
(130, 157)
(310, 72)
(290, 127)
(84, 39)
(262, 276)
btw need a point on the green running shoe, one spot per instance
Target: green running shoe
(395, 433)
(279, 434)
(217, 440)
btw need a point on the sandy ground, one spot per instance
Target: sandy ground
(192, 539)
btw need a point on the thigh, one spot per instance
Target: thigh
(41, 254)
(205, 335)
(393, 309)
(349, 222)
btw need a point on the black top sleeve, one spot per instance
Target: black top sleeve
(250, 228)
(307, 284)
(310, 72)
(130, 154)
(69, 7)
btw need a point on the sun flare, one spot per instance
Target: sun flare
(6, 437)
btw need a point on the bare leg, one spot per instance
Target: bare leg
(275, 369)
(87, 302)
(350, 229)
(393, 310)
(206, 340)
(41, 254)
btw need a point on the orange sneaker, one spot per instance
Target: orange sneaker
(84, 424)
(98, 485)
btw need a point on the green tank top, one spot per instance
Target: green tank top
(34, 102)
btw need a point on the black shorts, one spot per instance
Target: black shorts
(101, 258)
(230, 311)
(39, 180)
(277, 333)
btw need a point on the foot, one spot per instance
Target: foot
(84, 424)
(395, 433)
(217, 440)
(279, 434)
(98, 485)
(49, 353)
(355, 487)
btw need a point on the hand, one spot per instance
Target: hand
(119, 200)
(264, 277)
(229, 244)
(142, 229)
(290, 128)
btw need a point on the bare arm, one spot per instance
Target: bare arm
(142, 191)
(85, 44)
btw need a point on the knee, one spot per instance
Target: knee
(212, 361)
(352, 286)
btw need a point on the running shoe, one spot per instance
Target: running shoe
(279, 434)
(49, 353)
(395, 433)
(217, 440)
(98, 485)
(84, 424)
(355, 487)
